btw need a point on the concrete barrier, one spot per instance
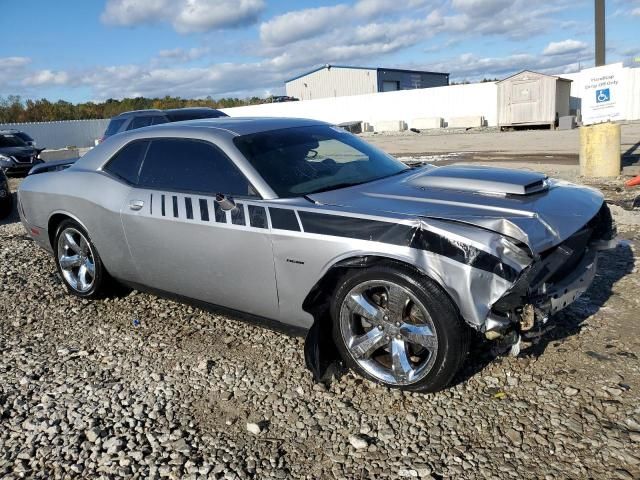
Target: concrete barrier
(61, 154)
(389, 125)
(465, 122)
(426, 123)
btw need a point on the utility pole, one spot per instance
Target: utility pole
(600, 33)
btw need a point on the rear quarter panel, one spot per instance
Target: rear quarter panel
(91, 198)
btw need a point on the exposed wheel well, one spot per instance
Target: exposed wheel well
(52, 226)
(318, 298)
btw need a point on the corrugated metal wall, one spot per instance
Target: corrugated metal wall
(333, 82)
(411, 80)
(78, 133)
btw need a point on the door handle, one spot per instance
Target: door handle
(136, 204)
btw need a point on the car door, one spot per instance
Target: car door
(181, 240)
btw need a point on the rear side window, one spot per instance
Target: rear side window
(126, 163)
(139, 122)
(114, 126)
(191, 166)
(158, 120)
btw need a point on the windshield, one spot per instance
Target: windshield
(11, 141)
(304, 160)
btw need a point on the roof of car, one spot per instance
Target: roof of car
(244, 125)
(190, 109)
(133, 113)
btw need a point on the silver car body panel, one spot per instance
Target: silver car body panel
(462, 237)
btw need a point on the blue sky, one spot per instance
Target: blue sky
(80, 50)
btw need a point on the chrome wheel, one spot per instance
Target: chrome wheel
(76, 260)
(388, 332)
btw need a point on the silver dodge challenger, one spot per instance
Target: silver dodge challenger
(298, 223)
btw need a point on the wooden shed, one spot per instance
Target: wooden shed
(531, 98)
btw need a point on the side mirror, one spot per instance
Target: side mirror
(225, 202)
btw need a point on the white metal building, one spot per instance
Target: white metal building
(339, 81)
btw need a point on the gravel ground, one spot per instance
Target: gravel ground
(142, 387)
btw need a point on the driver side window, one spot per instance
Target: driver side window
(187, 165)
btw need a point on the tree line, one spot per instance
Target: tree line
(14, 109)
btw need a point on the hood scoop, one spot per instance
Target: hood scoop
(501, 181)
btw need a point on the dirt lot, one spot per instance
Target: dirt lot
(190, 394)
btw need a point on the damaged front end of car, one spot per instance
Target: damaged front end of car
(555, 278)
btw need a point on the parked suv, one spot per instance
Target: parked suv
(143, 118)
(16, 156)
(23, 135)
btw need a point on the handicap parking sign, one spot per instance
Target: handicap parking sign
(602, 95)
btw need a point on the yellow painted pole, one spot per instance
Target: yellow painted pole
(600, 150)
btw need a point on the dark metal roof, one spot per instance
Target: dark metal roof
(363, 68)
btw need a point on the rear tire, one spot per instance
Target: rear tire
(78, 261)
(398, 328)
(6, 206)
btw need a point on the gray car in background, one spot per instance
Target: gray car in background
(143, 118)
(301, 223)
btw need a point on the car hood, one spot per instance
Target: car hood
(20, 151)
(520, 204)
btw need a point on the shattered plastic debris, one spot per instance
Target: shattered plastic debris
(136, 322)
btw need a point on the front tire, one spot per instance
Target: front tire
(397, 327)
(78, 261)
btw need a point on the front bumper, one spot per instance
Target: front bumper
(568, 290)
(556, 279)
(16, 168)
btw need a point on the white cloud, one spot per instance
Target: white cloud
(299, 24)
(308, 23)
(635, 12)
(482, 8)
(12, 68)
(205, 15)
(474, 68)
(183, 55)
(186, 16)
(46, 77)
(564, 47)
(374, 8)
(358, 32)
(133, 12)
(13, 62)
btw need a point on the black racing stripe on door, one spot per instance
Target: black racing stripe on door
(188, 206)
(404, 235)
(204, 210)
(284, 219)
(175, 206)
